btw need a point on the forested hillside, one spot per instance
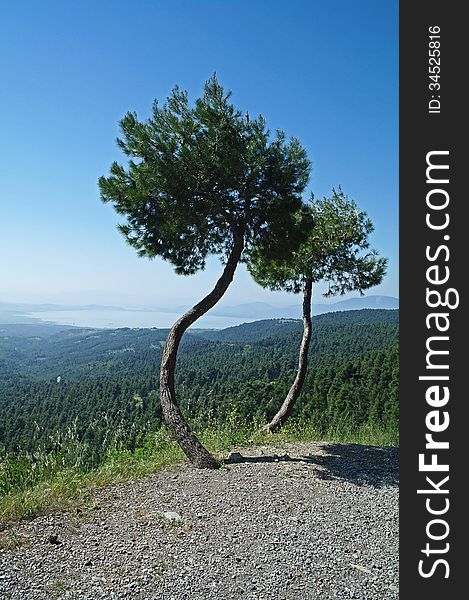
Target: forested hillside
(109, 378)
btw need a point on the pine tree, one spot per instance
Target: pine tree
(336, 251)
(203, 179)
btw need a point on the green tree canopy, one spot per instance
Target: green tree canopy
(336, 251)
(199, 174)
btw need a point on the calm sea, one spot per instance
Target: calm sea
(130, 318)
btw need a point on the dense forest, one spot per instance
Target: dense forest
(105, 382)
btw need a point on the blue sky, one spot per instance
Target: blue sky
(323, 71)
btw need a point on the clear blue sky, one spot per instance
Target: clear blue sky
(324, 71)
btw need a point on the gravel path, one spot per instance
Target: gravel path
(302, 522)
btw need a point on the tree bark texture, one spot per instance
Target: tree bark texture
(172, 415)
(287, 406)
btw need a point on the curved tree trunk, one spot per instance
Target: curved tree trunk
(189, 443)
(281, 416)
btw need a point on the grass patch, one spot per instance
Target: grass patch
(70, 487)
(33, 485)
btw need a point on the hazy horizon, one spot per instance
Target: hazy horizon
(219, 317)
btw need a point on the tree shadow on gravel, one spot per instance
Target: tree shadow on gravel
(373, 466)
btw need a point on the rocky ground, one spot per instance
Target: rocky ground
(303, 522)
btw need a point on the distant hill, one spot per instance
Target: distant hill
(40, 350)
(263, 310)
(33, 329)
(8, 307)
(104, 382)
(20, 314)
(258, 330)
(377, 302)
